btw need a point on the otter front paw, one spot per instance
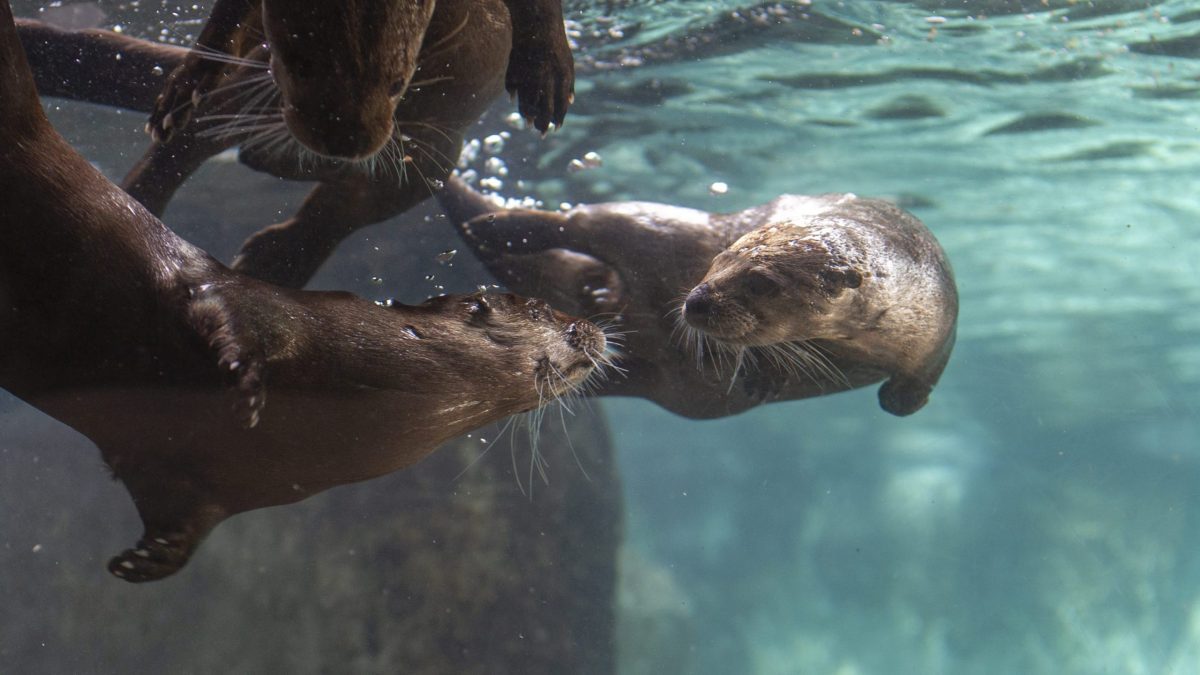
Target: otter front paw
(182, 92)
(236, 347)
(152, 558)
(541, 74)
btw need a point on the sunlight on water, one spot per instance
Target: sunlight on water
(1038, 515)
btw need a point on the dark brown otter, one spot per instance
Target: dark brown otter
(799, 297)
(116, 326)
(367, 52)
(458, 74)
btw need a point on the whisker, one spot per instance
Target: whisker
(499, 435)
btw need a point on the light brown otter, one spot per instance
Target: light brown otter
(459, 72)
(799, 297)
(114, 325)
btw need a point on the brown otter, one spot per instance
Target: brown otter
(114, 325)
(458, 75)
(799, 297)
(366, 51)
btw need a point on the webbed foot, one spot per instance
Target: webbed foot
(236, 347)
(185, 87)
(152, 558)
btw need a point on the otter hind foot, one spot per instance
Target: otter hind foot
(904, 395)
(152, 558)
(237, 350)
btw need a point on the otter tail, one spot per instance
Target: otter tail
(97, 66)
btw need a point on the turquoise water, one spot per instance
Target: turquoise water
(1040, 514)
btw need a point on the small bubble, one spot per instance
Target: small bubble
(493, 144)
(37, 547)
(718, 188)
(592, 160)
(429, 277)
(446, 256)
(496, 166)
(515, 121)
(157, 70)
(575, 166)
(376, 281)
(491, 183)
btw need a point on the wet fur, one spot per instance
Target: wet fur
(210, 393)
(458, 74)
(866, 294)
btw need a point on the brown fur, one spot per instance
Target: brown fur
(459, 70)
(116, 326)
(827, 293)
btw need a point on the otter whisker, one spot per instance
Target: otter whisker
(209, 54)
(432, 49)
(250, 83)
(446, 162)
(439, 128)
(430, 81)
(499, 434)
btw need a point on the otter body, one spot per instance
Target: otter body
(800, 297)
(166, 359)
(371, 164)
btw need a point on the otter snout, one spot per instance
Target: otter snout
(699, 302)
(335, 130)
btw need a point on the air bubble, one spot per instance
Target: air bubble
(494, 144)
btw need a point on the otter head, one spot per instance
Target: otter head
(546, 352)
(342, 67)
(777, 283)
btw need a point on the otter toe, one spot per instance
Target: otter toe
(237, 352)
(151, 559)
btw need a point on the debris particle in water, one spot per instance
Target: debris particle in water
(446, 256)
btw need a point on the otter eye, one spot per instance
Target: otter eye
(760, 284)
(397, 88)
(479, 307)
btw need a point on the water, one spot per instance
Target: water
(1039, 514)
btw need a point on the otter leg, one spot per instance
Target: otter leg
(571, 282)
(97, 66)
(291, 252)
(175, 519)
(165, 166)
(541, 71)
(195, 76)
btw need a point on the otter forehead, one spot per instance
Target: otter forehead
(788, 238)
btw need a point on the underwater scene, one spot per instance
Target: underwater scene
(1040, 513)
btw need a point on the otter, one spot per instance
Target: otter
(368, 51)
(144, 343)
(457, 75)
(800, 297)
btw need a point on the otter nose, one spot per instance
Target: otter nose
(699, 301)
